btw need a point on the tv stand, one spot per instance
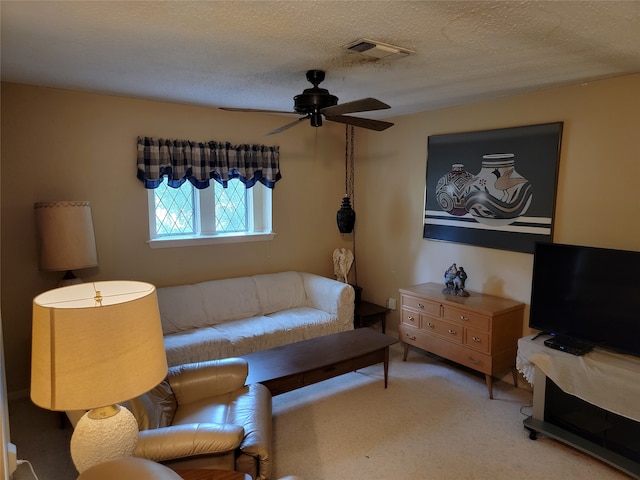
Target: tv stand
(584, 419)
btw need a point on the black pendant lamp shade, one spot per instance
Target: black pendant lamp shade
(346, 216)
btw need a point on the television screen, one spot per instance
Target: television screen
(588, 293)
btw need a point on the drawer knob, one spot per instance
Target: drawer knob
(452, 332)
(430, 325)
(475, 339)
(474, 360)
(462, 317)
(410, 337)
(420, 305)
(411, 319)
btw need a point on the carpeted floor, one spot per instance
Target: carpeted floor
(434, 422)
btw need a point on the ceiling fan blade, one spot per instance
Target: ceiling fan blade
(377, 125)
(362, 105)
(255, 110)
(287, 126)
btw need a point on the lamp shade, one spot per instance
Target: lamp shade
(96, 344)
(65, 235)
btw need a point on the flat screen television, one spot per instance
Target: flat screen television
(587, 293)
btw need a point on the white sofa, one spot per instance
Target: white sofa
(236, 316)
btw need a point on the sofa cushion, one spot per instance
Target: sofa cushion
(244, 336)
(197, 345)
(181, 308)
(280, 291)
(229, 299)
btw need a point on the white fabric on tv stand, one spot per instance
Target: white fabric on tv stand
(603, 378)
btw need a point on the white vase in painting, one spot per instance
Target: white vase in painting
(498, 195)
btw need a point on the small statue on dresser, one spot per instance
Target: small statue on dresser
(454, 280)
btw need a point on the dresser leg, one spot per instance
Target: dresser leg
(489, 385)
(406, 351)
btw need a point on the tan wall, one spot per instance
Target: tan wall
(82, 146)
(597, 199)
(63, 145)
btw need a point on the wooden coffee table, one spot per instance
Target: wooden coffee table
(299, 364)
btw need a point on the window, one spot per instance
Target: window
(190, 216)
(181, 215)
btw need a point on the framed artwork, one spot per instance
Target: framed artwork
(493, 188)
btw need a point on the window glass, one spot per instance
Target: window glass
(191, 213)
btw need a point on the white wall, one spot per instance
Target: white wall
(65, 145)
(82, 146)
(597, 198)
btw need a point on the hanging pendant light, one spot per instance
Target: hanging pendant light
(346, 216)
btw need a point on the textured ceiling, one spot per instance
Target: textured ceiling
(251, 54)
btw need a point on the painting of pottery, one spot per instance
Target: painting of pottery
(493, 188)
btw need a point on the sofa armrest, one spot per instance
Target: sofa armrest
(196, 381)
(179, 441)
(331, 296)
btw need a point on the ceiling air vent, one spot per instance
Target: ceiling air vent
(378, 50)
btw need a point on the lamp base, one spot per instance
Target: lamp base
(69, 279)
(103, 434)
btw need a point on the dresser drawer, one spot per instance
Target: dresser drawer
(411, 335)
(450, 331)
(478, 340)
(472, 359)
(410, 317)
(421, 305)
(467, 317)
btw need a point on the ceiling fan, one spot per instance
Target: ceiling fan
(316, 103)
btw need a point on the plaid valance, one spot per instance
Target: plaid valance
(198, 162)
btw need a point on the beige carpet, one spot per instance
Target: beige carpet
(434, 422)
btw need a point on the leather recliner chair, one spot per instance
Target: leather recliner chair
(129, 468)
(204, 416)
(132, 468)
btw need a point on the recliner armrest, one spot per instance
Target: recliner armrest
(179, 441)
(196, 381)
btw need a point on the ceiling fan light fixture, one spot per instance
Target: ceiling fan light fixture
(377, 50)
(316, 119)
(316, 103)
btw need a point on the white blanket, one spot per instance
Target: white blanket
(236, 316)
(606, 379)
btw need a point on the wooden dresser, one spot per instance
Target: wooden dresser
(479, 331)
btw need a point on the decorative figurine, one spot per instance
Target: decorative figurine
(342, 261)
(454, 280)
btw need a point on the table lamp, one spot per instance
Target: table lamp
(94, 345)
(66, 241)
